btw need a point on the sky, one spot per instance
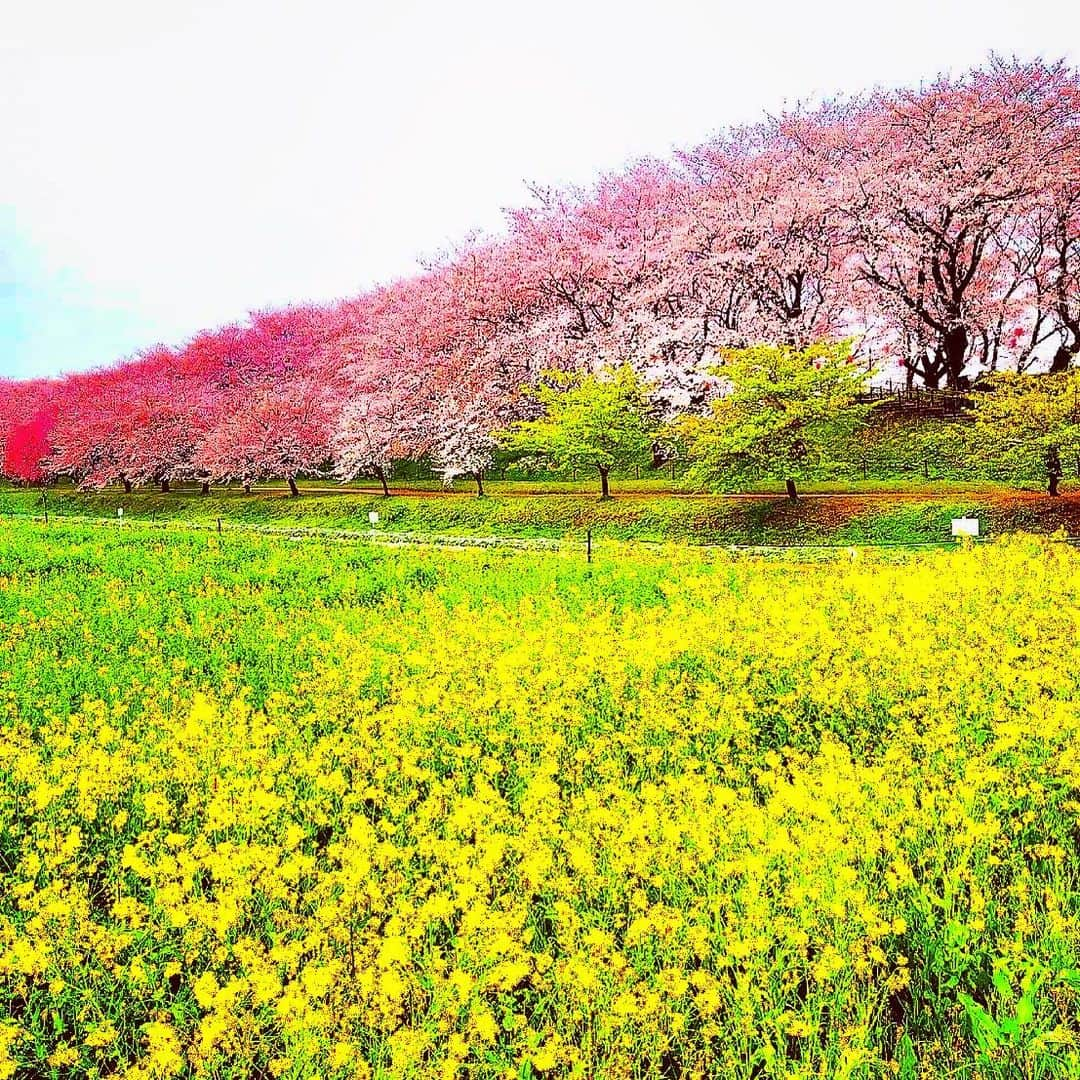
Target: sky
(169, 167)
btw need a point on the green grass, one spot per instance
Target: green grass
(909, 518)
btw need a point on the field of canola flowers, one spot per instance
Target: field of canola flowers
(272, 809)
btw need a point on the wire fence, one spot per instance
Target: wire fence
(919, 400)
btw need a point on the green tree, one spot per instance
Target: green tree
(1023, 423)
(782, 413)
(590, 420)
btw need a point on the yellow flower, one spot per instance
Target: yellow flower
(104, 1034)
(205, 989)
(485, 1027)
(63, 1056)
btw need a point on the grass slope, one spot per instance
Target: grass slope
(910, 516)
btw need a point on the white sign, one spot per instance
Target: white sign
(965, 526)
(373, 517)
(119, 511)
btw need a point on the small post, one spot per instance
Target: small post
(219, 526)
(45, 501)
(588, 545)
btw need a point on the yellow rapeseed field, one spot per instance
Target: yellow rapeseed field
(309, 810)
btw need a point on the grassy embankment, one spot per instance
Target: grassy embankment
(905, 514)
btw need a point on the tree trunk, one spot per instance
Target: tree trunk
(792, 492)
(293, 489)
(127, 486)
(380, 472)
(1054, 471)
(479, 477)
(164, 485)
(1064, 356)
(955, 344)
(247, 489)
(605, 493)
(205, 487)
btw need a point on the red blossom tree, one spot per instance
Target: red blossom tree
(28, 412)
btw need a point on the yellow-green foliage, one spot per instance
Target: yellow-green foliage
(313, 810)
(783, 411)
(591, 420)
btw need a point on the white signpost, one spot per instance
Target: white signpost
(965, 526)
(373, 517)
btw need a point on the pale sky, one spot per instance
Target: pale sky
(170, 166)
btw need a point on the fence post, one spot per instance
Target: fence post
(588, 545)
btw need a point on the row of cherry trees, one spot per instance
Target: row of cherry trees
(939, 225)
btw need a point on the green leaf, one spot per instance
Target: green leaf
(984, 1028)
(906, 1059)
(1025, 1009)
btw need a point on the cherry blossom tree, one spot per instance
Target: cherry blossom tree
(938, 226)
(933, 178)
(140, 423)
(88, 437)
(595, 262)
(768, 225)
(1059, 215)
(460, 419)
(280, 430)
(378, 424)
